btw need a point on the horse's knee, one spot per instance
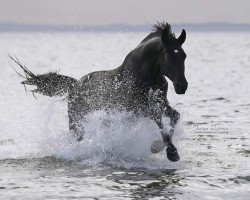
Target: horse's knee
(176, 115)
(174, 118)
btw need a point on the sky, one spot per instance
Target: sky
(102, 12)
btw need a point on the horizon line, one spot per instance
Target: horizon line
(121, 27)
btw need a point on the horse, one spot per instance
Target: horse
(138, 85)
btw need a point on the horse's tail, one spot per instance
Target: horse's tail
(49, 84)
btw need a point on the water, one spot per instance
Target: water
(39, 159)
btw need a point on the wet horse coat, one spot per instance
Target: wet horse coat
(138, 85)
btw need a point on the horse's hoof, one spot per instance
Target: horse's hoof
(172, 153)
(157, 146)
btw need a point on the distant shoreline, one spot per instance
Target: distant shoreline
(208, 27)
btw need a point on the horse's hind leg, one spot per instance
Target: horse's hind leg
(75, 127)
(75, 119)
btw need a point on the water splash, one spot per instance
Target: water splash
(115, 138)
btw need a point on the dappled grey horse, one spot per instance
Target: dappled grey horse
(138, 85)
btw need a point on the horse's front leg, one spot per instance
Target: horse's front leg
(174, 118)
(158, 146)
(173, 115)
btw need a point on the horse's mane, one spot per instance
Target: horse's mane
(164, 27)
(158, 29)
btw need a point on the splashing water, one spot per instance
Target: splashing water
(116, 138)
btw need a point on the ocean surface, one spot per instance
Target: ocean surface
(40, 160)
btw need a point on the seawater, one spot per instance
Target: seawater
(40, 160)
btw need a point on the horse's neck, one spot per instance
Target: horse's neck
(150, 36)
(143, 61)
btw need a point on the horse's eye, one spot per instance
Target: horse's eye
(176, 51)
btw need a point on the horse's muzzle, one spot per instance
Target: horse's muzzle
(181, 87)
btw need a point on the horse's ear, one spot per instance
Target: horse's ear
(181, 39)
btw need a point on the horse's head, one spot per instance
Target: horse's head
(172, 59)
